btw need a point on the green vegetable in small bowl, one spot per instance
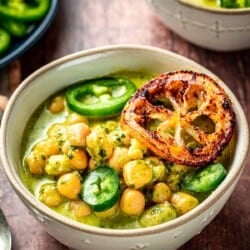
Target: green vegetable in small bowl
(18, 19)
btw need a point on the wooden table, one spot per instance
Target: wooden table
(82, 24)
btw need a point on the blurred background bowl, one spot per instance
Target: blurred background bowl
(212, 28)
(93, 63)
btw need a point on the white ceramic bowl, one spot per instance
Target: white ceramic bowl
(212, 28)
(90, 64)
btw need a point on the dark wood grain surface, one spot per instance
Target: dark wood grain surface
(83, 24)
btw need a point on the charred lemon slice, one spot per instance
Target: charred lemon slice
(184, 117)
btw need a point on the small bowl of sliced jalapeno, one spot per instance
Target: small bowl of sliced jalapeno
(221, 25)
(130, 146)
(22, 23)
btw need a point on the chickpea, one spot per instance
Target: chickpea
(109, 126)
(57, 165)
(161, 192)
(49, 195)
(77, 133)
(69, 185)
(59, 131)
(78, 159)
(118, 159)
(98, 145)
(158, 214)
(136, 150)
(92, 164)
(137, 174)
(35, 162)
(176, 175)
(132, 202)
(47, 147)
(158, 167)
(76, 118)
(66, 147)
(159, 173)
(153, 161)
(119, 138)
(109, 213)
(183, 202)
(56, 105)
(80, 209)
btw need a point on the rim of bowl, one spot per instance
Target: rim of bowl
(223, 11)
(37, 207)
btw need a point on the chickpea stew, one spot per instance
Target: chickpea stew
(96, 172)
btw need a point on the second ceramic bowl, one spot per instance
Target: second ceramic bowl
(212, 28)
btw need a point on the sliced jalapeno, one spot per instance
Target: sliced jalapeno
(101, 189)
(100, 97)
(206, 179)
(16, 28)
(24, 10)
(5, 40)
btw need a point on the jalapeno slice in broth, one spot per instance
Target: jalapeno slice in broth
(100, 97)
(206, 179)
(101, 189)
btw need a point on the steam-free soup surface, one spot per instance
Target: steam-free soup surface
(62, 148)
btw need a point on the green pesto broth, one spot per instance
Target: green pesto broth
(36, 130)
